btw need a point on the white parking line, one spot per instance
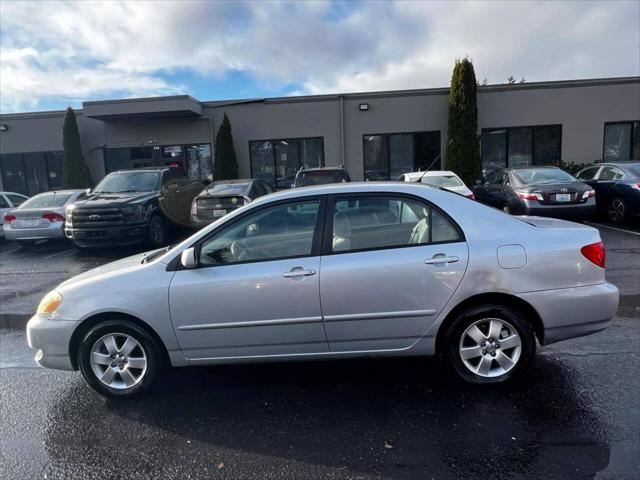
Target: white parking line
(613, 228)
(59, 254)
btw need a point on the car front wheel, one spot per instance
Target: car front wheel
(489, 344)
(156, 232)
(119, 359)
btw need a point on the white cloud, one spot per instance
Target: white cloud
(77, 50)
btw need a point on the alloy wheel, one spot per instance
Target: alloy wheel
(490, 347)
(118, 360)
(616, 210)
(506, 209)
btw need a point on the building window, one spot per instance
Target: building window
(521, 146)
(31, 173)
(194, 160)
(621, 141)
(277, 161)
(387, 156)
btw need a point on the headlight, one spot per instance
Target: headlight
(133, 213)
(50, 303)
(68, 215)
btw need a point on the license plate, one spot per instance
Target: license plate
(219, 213)
(29, 223)
(563, 197)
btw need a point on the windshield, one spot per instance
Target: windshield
(634, 170)
(46, 200)
(227, 189)
(541, 176)
(320, 177)
(443, 181)
(120, 182)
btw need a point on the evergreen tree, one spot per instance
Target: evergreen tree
(74, 172)
(463, 150)
(225, 164)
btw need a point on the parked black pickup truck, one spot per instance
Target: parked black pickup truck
(132, 206)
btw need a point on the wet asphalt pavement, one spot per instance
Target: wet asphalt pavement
(575, 415)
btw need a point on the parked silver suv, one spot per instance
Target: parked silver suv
(334, 271)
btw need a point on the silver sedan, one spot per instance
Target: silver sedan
(333, 272)
(40, 218)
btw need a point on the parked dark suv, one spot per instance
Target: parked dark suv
(131, 206)
(224, 196)
(320, 176)
(617, 187)
(545, 191)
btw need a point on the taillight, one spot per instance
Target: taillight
(588, 194)
(529, 196)
(53, 217)
(8, 218)
(594, 253)
(636, 186)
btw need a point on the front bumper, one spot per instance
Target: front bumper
(576, 210)
(574, 312)
(53, 232)
(51, 339)
(106, 236)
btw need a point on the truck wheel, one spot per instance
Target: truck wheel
(156, 232)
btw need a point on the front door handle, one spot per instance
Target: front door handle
(441, 259)
(298, 272)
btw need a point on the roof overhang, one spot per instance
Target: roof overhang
(157, 107)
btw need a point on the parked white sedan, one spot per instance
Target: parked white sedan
(335, 271)
(441, 179)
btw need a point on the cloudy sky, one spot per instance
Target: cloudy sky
(55, 54)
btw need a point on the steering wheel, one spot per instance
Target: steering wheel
(239, 250)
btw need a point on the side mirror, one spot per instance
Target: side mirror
(188, 258)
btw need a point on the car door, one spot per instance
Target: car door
(390, 264)
(589, 176)
(607, 183)
(255, 291)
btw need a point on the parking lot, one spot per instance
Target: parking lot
(575, 416)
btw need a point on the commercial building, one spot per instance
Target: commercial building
(376, 136)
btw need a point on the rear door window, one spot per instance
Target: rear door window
(370, 222)
(588, 173)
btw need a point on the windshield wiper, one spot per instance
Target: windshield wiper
(157, 254)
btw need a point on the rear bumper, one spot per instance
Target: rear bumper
(579, 210)
(107, 236)
(51, 340)
(54, 231)
(574, 312)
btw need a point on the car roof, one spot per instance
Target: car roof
(317, 169)
(630, 163)
(142, 169)
(531, 167)
(438, 173)
(234, 181)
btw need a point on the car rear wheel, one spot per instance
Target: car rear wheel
(617, 210)
(489, 344)
(119, 359)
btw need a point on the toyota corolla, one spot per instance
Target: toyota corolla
(331, 272)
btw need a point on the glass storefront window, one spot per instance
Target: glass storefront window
(388, 156)
(31, 173)
(277, 161)
(521, 146)
(199, 166)
(621, 141)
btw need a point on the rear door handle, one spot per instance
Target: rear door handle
(298, 272)
(440, 259)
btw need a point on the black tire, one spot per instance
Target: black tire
(156, 232)
(617, 210)
(454, 341)
(152, 351)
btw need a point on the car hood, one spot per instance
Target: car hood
(119, 266)
(109, 199)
